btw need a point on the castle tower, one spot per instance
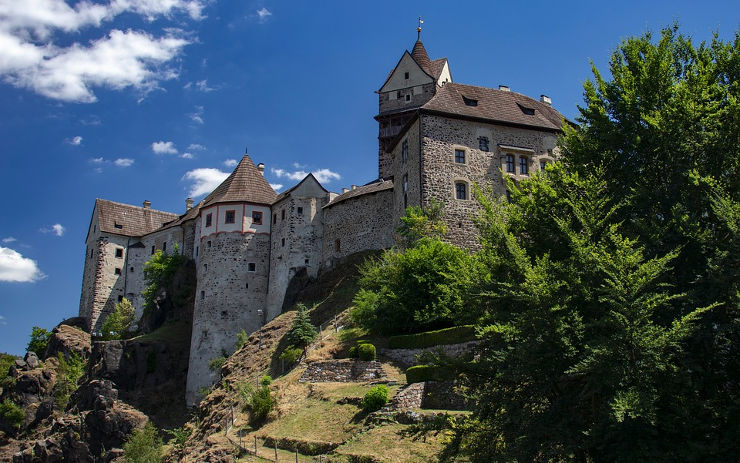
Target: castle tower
(232, 253)
(413, 82)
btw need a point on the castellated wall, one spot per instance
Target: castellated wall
(357, 224)
(441, 136)
(296, 233)
(228, 297)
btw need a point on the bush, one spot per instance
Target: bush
(291, 354)
(11, 413)
(6, 360)
(179, 436)
(261, 404)
(420, 373)
(217, 363)
(144, 446)
(39, 340)
(366, 351)
(353, 352)
(266, 380)
(454, 335)
(375, 398)
(69, 372)
(117, 324)
(158, 274)
(241, 339)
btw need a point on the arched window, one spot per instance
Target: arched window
(461, 190)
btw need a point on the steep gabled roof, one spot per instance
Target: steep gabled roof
(436, 67)
(128, 220)
(287, 192)
(496, 106)
(245, 184)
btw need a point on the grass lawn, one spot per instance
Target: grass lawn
(396, 447)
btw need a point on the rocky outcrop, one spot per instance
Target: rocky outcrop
(68, 340)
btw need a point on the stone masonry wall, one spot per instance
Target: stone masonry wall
(409, 170)
(342, 371)
(227, 300)
(407, 357)
(109, 278)
(442, 135)
(357, 224)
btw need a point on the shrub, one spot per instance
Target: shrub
(291, 354)
(6, 360)
(454, 335)
(11, 413)
(179, 436)
(266, 380)
(261, 404)
(144, 446)
(158, 273)
(69, 372)
(366, 351)
(117, 324)
(375, 398)
(353, 352)
(420, 373)
(216, 363)
(39, 340)
(241, 339)
(302, 332)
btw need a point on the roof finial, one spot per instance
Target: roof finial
(418, 29)
(246, 150)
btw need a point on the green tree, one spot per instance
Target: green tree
(143, 446)
(427, 222)
(118, 323)
(158, 273)
(302, 332)
(39, 340)
(71, 368)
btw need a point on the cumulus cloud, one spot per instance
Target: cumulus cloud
(2, 321)
(196, 147)
(231, 162)
(31, 56)
(263, 13)
(57, 229)
(16, 268)
(197, 115)
(204, 180)
(322, 175)
(164, 147)
(76, 141)
(9, 239)
(187, 156)
(97, 160)
(123, 162)
(276, 186)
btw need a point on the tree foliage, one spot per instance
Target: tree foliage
(119, 322)
(69, 371)
(39, 340)
(144, 446)
(302, 332)
(418, 223)
(158, 273)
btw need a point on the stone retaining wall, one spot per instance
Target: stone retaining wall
(407, 357)
(342, 371)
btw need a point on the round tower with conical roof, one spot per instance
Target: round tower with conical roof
(232, 253)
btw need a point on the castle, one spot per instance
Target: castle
(436, 138)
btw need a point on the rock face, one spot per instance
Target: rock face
(67, 340)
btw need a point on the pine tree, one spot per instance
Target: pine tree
(302, 332)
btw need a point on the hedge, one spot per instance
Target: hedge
(420, 373)
(366, 351)
(454, 335)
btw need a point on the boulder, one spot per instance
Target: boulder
(68, 340)
(31, 359)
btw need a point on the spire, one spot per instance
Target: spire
(419, 53)
(418, 30)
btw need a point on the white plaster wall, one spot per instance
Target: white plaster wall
(397, 80)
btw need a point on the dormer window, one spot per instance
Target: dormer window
(117, 225)
(525, 110)
(470, 101)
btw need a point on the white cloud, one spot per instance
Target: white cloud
(276, 186)
(196, 147)
(57, 229)
(16, 268)
(123, 162)
(197, 116)
(204, 180)
(322, 175)
(200, 85)
(97, 160)
(164, 147)
(231, 162)
(32, 57)
(76, 141)
(187, 156)
(263, 13)
(2, 321)
(9, 239)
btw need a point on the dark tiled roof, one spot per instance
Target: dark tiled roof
(374, 187)
(245, 184)
(128, 220)
(436, 67)
(494, 105)
(419, 53)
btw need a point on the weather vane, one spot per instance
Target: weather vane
(418, 29)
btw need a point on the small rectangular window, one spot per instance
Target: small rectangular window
(405, 183)
(282, 242)
(91, 253)
(460, 156)
(208, 243)
(282, 214)
(523, 165)
(209, 220)
(117, 271)
(483, 143)
(131, 269)
(408, 97)
(230, 216)
(404, 151)
(196, 251)
(300, 210)
(153, 249)
(461, 190)
(202, 295)
(510, 163)
(205, 267)
(251, 267)
(274, 218)
(256, 217)
(120, 298)
(164, 246)
(405, 75)
(337, 245)
(119, 253)
(398, 94)
(543, 164)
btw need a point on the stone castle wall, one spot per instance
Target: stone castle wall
(408, 171)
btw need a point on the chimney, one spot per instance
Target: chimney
(354, 187)
(546, 99)
(504, 88)
(188, 204)
(261, 168)
(147, 204)
(344, 190)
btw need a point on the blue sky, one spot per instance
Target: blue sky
(153, 99)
